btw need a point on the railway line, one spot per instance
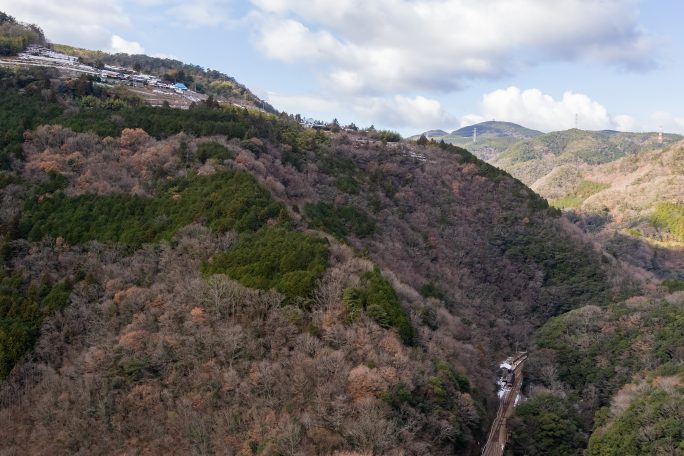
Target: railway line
(510, 388)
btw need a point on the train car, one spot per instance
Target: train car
(505, 378)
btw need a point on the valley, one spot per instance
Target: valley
(509, 395)
(612, 185)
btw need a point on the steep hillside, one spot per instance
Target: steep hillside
(223, 281)
(623, 189)
(611, 376)
(632, 205)
(629, 187)
(543, 161)
(653, 403)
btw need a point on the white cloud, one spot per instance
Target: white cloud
(624, 122)
(668, 122)
(127, 47)
(400, 111)
(190, 14)
(84, 23)
(534, 109)
(290, 41)
(308, 105)
(383, 46)
(199, 13)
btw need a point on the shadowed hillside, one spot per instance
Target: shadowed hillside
(633, 206)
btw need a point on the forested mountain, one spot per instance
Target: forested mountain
(129, 237)
(222, 280)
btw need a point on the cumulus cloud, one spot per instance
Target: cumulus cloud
(668, 122)
(400, 111)
(397, 112)
(309, 105)
(534, 109)
(127, 47)
(85, 23)
(623, 122)
(290, 41)
(198, 13)
(382, 46)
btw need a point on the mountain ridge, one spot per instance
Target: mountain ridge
(497, 128)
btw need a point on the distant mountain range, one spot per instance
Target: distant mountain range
(614, 181)
(530, 155)
(493, 137)
(498, 129)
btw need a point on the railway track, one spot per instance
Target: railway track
(498, 434)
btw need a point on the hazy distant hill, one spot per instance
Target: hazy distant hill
(644, 170)
(434, 134)
(495, 128)
(633, 205)
(493, 137)
(530, 155)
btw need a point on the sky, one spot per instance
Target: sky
(411, 65)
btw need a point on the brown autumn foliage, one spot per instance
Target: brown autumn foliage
(150, 357)
(128, 164)
(202, 366)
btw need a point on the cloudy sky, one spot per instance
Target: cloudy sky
(411, 65)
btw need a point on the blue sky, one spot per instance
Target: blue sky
(411, 65)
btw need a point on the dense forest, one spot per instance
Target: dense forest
(221, 280)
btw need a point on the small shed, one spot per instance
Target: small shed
(180, 86)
